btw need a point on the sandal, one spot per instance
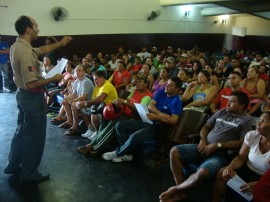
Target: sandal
(95, 153)
(56, 121)
(64, 125)
(84, 150)
(72, 132)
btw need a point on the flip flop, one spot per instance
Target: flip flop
(84, 150)
(56, 121)
(64, 125)
(72, 132)
(95, 153)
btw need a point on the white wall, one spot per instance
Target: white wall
(112, 17)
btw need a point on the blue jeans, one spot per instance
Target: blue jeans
(131, 133)
(4, 72)
(29, 138)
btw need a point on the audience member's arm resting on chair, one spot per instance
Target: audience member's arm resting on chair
(157, 115)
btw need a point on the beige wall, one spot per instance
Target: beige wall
(254, 25)
(119, 17)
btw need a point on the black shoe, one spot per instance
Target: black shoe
(41, 178)
(14, 172)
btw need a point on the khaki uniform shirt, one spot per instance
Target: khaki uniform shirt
(24, 62)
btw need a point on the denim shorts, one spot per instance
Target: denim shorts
(190, 155)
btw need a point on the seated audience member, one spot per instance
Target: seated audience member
(62, 84)
(47, 65)
(86, 66)
(262, 107)
(61, 117)
(113, 63)
(144, 54)
(264, 76)
(196, 69)
(161, 63)
(82, 90)
(251, 162)
(165, 108)
(146, 72)
(221, 101)
(135, 68)
(228, 65)
(153, 70)
(104, 92)
(219, 69)
(183, 75)
(161, 82)
(127, 62)
(75, 60)
(261, 191)
(257, 60)
(89, 57)
(223, 131)
(170, 65)
(213, 77)
(183, 62)
(97, 66)
(107, 128)
(254, 85)
(201, 93)
(121, 77)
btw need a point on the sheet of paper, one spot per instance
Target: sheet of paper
(235, 183)
(58, 69)
(143, 110)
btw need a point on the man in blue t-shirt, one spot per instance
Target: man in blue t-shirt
(165, 108)
(4, 52)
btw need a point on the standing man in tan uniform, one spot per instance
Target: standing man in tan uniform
(29, 139)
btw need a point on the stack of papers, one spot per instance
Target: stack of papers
(143, 110)
(58, 69)
(235, 184)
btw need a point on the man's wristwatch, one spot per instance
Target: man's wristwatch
(219, 145)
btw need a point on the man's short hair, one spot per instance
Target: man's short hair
(22, 23)
(236, 73)
(97, 60)
(143, 78)
(177, 81)
(121, 62)
(100, 74)
(242, 98)
(80, 65)
(170, 60)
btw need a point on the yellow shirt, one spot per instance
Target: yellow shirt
(107, 88)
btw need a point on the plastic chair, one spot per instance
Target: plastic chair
(190, 123)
